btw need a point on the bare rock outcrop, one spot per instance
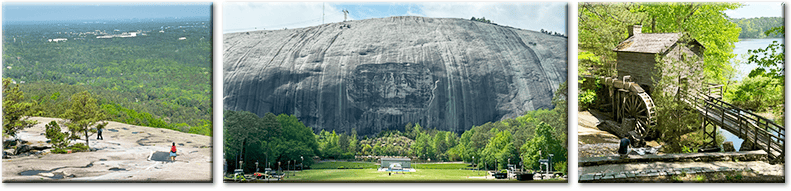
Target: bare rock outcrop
(379, 74)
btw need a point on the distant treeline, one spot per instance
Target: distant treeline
(553, 33)
(755, 27)
(482, 19)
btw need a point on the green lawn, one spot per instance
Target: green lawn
(367, 172)
(366, 175)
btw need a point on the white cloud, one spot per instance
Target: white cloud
(248, 16)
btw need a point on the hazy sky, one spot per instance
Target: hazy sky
(247, 16)
(101, 11)
(757, 9)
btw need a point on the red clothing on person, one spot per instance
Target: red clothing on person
(173, 149)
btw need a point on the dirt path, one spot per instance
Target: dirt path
(123, 155)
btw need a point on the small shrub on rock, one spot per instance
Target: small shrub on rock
(79, 147)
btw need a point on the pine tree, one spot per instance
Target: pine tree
(83, 115)
(15, 111)
(58, 139)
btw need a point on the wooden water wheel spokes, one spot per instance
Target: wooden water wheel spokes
(634, 106)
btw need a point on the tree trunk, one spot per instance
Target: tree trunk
(87, 143)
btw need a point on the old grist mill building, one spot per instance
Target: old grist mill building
(637, 56)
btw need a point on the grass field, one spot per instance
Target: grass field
(372, 175)
(366, 172)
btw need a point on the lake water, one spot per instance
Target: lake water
(750, 44)
(744, 69)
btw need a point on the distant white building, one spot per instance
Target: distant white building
(183, 38)
(122, 35)
(57, 40)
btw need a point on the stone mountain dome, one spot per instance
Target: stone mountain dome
(380, 74)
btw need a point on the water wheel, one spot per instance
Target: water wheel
(626, 100)
(640, 107)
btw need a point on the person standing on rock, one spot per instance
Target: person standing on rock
(99, 136)
(173, 152)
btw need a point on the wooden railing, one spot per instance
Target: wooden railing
(713, 90)
(755, 129)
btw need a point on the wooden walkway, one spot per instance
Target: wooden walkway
(753, 129)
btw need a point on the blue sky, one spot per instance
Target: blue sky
(16, 12)
(757, 9)
(247, 16)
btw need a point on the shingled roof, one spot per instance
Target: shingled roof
(648, 42)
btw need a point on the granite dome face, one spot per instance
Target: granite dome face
(379, 74)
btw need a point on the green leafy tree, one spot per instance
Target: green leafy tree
(677, 118)
(771, 62)
(330, 147)
(271, 139)
(366, 149)
(242, 129)
(377, 150)
(602, 26)
(83, 115)
(416, 130)
(758, 93)
(705, 22)
(440, 143)
(296, 141)
(343, 142)
(422, 147)
(15, 110)
(541, 145)
(354, 147)
(408, 130)
(499, 150)
(269, 132)
(464, 148)
(58, 139)
(508, 155)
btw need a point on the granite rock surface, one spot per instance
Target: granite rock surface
(379, 74)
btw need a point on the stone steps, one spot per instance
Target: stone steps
(590, 177)
(682, 157)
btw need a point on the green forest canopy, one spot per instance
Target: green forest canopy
(153, 79)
